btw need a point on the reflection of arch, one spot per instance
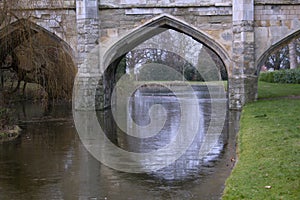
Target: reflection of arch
(156, 26)
(274, 47)
(50, 63)
(17, 32)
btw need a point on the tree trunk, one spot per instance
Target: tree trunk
(292, 55)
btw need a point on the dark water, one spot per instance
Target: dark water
(49, 161)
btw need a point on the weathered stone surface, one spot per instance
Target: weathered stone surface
(164, 3)
(241, 32)
(277, 2)
(274, 21)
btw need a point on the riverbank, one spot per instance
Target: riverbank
(8, 130)
(10, 133)
(268, 164)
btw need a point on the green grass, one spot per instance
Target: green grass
(273, 90)
(183, 82)
(268, 148)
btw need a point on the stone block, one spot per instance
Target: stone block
(53, 24)
(143, 11)
(112, 32)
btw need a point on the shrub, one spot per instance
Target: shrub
(281, 76)
(267, 77)
(4, 117)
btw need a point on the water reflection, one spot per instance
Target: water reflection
(49, 162)
(168, 121)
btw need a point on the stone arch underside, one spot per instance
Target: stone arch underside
(16, 37)
(283, 41)
(152, 28)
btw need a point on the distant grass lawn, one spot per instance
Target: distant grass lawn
(273, 90)
(268, 148)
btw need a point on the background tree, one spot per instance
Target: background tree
(279, 59)
(286, 57)
(178, 51)
(292, 54)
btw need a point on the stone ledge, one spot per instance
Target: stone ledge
(211, 11)
(278, 2)
(123, 6)
(44, 8)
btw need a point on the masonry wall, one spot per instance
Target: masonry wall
(282, 2)
(214, 21)
(275, 21)
(160, 3)
(245, 29)
(56, 16)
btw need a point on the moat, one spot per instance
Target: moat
(49, 160)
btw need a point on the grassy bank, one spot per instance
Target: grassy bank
(274, 90)
(268, 148)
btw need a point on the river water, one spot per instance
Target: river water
(49, 161)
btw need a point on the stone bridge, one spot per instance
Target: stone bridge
(241, 32)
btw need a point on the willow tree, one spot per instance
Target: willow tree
(34, 55)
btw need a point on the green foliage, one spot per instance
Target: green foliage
(267, 77)
(281, 76)
(158, 72)
(287, 76)
(5, 118)
(192, 74)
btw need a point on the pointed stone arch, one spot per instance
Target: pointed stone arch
(156, 26)
(26, 29)
(112, 52)
(53, 65)
(272, 48)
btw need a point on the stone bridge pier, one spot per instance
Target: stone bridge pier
(241, 32)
